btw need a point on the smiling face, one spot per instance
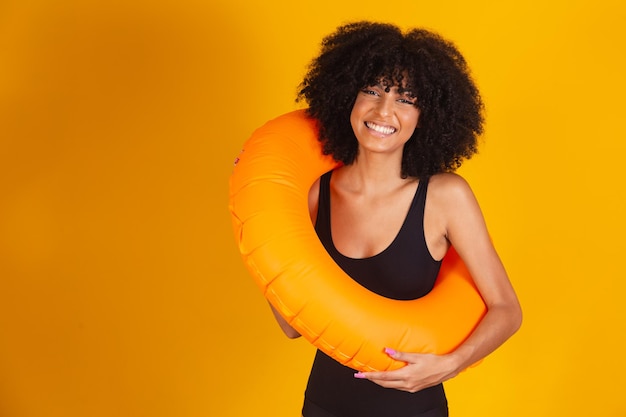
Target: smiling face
(383, 121)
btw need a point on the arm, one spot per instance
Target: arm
(460, 222)
(467, 232)
(289, 331)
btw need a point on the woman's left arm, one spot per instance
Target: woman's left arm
(465, 229)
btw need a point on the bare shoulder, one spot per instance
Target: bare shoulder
(459, 212)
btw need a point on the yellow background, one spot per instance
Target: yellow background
(121, 291)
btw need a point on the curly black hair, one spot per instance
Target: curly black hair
(362, 54)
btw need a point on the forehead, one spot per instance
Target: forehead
(393, 77)
(402, 85)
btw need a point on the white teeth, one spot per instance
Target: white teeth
(380, 129)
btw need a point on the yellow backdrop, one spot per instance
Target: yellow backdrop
(121, 291)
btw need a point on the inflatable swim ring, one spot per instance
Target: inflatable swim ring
(269, 206)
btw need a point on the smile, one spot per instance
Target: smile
(387, 130)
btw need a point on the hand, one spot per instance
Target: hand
(421, 371)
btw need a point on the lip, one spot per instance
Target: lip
(380, 129)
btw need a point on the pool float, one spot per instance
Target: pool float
(268, 202)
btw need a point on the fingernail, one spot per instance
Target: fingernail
(390, 352)
(360, 375)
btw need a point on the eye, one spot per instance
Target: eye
(407, 97)
(369, 92)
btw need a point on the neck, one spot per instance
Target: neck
(372, 172)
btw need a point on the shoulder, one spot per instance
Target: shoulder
(452, 198)
(449, 187)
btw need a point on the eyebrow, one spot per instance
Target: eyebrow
(382, 86)
(406, 93)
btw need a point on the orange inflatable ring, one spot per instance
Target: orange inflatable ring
(269, 207)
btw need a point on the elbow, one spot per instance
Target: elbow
(517, 317)
(509, 315)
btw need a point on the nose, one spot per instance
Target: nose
(383, 106)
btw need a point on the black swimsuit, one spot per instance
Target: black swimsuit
(405, 270)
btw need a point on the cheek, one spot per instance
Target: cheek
(354, 117)
(412, 119)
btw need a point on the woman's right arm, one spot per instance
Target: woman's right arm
(287, 329)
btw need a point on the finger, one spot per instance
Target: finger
(393, 353)
(406, 357)
(396, 375)
(386, 380)
(384, 375)
(401, 356)
(378, 376)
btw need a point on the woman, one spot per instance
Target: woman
(401, 112)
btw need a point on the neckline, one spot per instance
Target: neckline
(393, 241)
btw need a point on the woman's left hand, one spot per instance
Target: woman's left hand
(421, 371)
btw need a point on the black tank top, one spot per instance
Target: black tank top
(405, 270)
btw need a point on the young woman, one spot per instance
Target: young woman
(401, 112)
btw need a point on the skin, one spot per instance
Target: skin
(372, 191)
